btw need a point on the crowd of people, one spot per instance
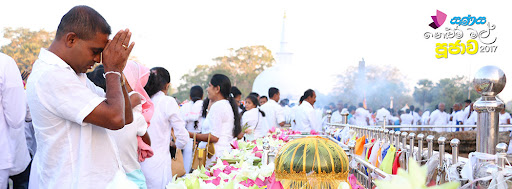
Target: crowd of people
(70, 129)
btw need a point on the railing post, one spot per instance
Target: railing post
(397, 140)
(501, 152)
(391, 136)
(411, 146)
(420, 147)
(454, 143)
(430, 145)
(404, 141)
(489, 81)
(344, 118)
(441, 141)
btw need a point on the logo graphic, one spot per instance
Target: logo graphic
(438, 20)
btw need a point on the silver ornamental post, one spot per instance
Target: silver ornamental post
(489, 81)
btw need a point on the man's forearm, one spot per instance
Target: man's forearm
(114, 94)
(128, 114)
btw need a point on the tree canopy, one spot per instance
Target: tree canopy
(241, 66)
(25, 45)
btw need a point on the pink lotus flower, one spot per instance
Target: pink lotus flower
(216, 172)
(259, 182)
(273, 129)
(215, 181)
(313, 132)
(275, 185)
(255, 149)
(234, 145)
(258, 154)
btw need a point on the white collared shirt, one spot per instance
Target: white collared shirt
(360, 116)
(70, 153)
(440, 118)
(306, 118)
(12, 116)
(381, 113)
(273, 113)
(157, 169)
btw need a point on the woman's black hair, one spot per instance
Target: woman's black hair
(204, 111)
(196, 93)
(158, 78)
(255, 101)
(236, 92)
(225, 90)
(97, 78)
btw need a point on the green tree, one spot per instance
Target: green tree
(25, 45)
(241, 66)
(450, 91)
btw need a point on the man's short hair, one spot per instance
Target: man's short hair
(308, 93)
(84, 21)
(265, 97)
(468, 101)
(272, 91)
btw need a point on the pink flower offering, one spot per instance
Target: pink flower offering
(258, 154)
(259, 182)
(216, 172)
(247, 183)
(275, 185)
(234, 145)
(255, 149)
(273, 129)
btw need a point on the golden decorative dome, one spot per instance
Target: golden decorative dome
(311, 162)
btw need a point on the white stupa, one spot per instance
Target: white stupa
(289, 79)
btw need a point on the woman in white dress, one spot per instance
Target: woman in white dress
(191, 113)
(157, 169)
(254, 118)
(222, 119)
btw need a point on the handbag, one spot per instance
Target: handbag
(200, 154)
(177, 159)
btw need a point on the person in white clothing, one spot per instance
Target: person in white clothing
(361, 116)
(14, 158)
(263, 100)
(191, 113)
(295, 110)
(274, 111)
(222, 119)
(70, 114)
(439, 117)
(336, 115)
(166, 118)
(306, 118)
(504, 119)
(237, 96)
(424, 117)
(415, 115)
(467, 110)
(254, 118)
(380, 115)
(407, 119)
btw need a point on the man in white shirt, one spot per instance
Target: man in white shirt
(407, 119)
(424, 117)
(504, 119)
(273, 111)
(295, 111)
(306, 118)
(361, 116)
(467, 110)
(380, 115)
(336, 115)
(69, 113)
(439, 117)
(12, 117)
